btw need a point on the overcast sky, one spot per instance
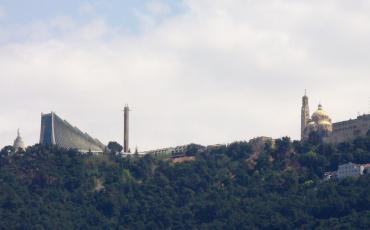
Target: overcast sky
(200, 71)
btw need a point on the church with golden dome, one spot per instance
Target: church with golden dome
(321, 124)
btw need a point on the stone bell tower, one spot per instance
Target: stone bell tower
(305, 114)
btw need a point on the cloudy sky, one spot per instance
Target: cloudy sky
(203, 71)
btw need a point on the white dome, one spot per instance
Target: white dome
(18, 143)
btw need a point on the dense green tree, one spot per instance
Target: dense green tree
(114, 147)
(53, 188)
(6, 151)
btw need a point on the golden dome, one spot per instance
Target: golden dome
(320, 115)
(325, 123)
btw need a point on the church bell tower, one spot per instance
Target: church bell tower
(305, 114)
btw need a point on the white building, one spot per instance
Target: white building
(171, 151)
(350, 170)
(18, 143)
(161, 152)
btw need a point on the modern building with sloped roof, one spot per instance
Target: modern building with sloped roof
(56, 131)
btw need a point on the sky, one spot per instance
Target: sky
(192, 71)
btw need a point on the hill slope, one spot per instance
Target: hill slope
(51, 188)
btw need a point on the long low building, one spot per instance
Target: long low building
(348, 130)
(56, 131)
(172, 151)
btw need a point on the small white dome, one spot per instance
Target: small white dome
(18, 142)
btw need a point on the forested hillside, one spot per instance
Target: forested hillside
(52, 188)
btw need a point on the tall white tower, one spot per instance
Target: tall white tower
(126, 147)
(305, 114)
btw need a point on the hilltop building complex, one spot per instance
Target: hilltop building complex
(56, 131)
(338, 132)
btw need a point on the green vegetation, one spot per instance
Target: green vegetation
(52, 188)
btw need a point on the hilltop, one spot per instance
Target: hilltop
(230, 187)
